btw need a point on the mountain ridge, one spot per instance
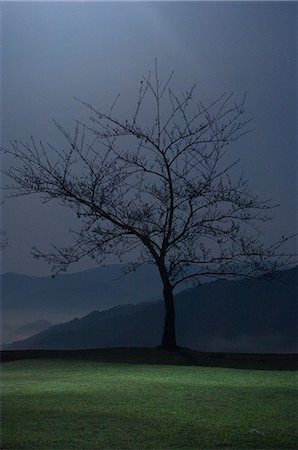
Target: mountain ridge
(60, 298)
(256, 316)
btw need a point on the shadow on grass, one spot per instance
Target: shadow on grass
(181, 356)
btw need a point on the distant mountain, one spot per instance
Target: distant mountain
(67, 295)
(257, 315)
(12, 333)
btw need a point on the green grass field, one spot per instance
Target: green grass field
(75, 404)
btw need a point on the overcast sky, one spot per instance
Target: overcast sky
(54, 51)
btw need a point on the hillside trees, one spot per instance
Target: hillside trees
(163, 190)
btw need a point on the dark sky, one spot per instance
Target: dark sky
(54, 51)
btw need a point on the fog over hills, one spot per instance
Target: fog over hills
(11, 333)
(28, 298)
(256, 315)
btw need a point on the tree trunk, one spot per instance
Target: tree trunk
(169, 332)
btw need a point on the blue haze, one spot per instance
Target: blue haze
(54, 51)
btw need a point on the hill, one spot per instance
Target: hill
(12, 333)
(257, 315)
(28, 298)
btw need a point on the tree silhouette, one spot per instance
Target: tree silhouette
(161, 191)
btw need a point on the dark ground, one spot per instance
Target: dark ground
(182, 356)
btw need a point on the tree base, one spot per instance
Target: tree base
(169, 348)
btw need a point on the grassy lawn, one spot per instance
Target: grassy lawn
(73, 404)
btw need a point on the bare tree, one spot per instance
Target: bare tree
(161, 191)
